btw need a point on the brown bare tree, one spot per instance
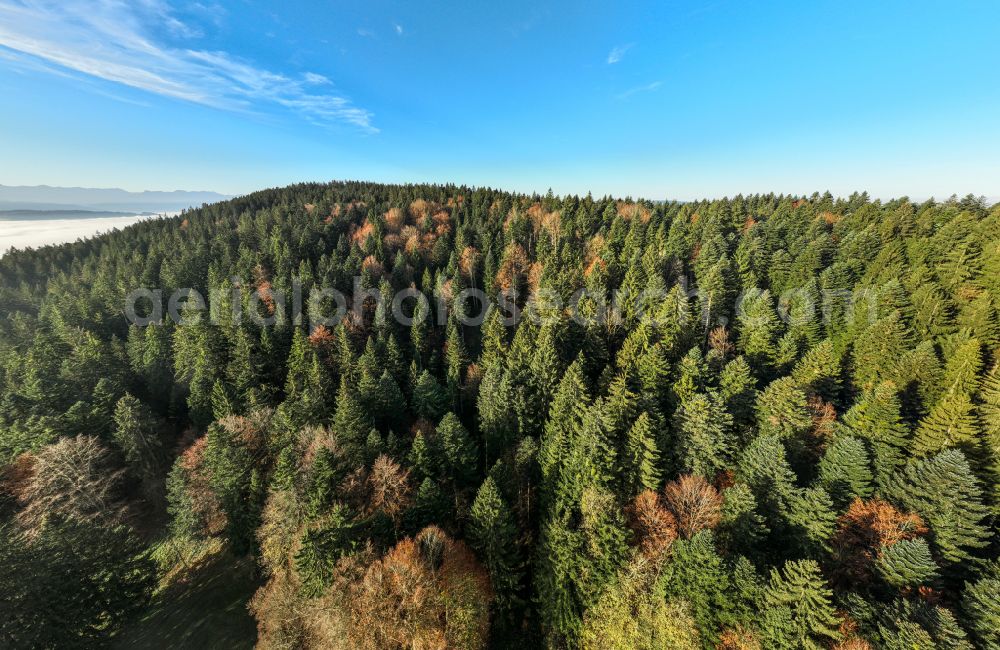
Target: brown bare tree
(74, 479)
(389, 487)
(696, 504)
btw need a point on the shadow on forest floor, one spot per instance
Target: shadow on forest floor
(201, 607)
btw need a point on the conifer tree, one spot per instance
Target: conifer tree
(430, 401)
(961, 263)
(320, 546)
(233, 462)
(150, 359)
(351, 423)
(800, 587)
(920, 376)
(782, 409)
(640, 462)
(818, 372)
(737, 387)
(324, 475)
(764, 468)
(715, 290)
(522, 351)
(804, 313)
(299, 361)
(692, 375)
(741, 528)
(981, 604)
(456, 362)
(904, 624)
(545, 370)
(494, 340)
(812, 519)
(430, 505)
(424, 456)
(493, 535)
(907, 563)
(457, 449)
(787, 351)
(878, 351)
(875, 418)
(931, 316)
(759, 327)
(582, 536)
(497, 422)
(546, 361)
(222, 403)
(979, 317)
(951, 423)
(135, 432)
(988, 410)
(943, 490)
(697, 574)
(704, 438)
(243, 372)
(420, 330)
(565, 418)
(652, 371)
(580, 548)
(964, 363)
(388, 403)
(845, 472)
(620, 409)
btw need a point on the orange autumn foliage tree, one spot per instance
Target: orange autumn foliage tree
(322, 338)
(738, 639)
(16, 477)
(654, 527)
(823, 417)
(695, 503)
(468, 261)
(513, 268)
(427, 592)
(395, 219)
(194, 481)
(863, 531)
(634, 211)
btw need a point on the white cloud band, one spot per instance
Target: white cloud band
(113, 40)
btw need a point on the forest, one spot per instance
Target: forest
(764, 422)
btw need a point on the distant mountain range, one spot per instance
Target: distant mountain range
(47, 198)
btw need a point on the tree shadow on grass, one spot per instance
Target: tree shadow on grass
(205, 606)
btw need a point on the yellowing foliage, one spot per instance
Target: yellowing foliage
(631, 615)
(395, 219)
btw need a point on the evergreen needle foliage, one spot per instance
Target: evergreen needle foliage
(758, 422)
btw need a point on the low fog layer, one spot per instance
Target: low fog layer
(35, 233)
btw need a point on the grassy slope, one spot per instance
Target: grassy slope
(200, 605)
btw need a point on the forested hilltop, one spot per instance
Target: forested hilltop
(755, 423)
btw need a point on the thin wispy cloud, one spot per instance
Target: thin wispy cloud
(316, 79)
(617, 53)
(646, 88)
(115, 41)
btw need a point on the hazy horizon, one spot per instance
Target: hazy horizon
(23, 234)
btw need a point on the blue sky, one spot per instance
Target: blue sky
(664, 99)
